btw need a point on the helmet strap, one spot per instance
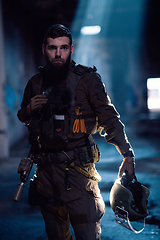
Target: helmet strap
(122, 218)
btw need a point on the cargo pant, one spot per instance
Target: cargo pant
(83, 206)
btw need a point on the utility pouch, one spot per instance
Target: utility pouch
(88, 154)
(54, 126)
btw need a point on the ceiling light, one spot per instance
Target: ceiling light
(90, 30)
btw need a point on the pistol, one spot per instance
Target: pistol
(24, 169)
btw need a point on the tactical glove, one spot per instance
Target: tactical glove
(36, 103)
(128, 164)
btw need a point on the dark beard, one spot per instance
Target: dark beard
(56, 73)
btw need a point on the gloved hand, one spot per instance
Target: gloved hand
(128, 164)
(36, 103)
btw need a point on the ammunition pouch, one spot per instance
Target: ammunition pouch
(51, 132)
(88, 154)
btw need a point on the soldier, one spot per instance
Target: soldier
(63, 105)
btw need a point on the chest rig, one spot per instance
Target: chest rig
(61, 119)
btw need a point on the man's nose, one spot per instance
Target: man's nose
(58, 52)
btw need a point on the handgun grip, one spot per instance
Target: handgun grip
(19, 191)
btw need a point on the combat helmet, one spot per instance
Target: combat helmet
(128, 199)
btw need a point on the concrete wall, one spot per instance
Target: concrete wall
(4, 151)
(17, 65)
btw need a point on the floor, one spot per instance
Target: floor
(20, 221)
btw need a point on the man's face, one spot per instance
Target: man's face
(57, 50)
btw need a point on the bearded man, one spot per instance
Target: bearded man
(62, 106)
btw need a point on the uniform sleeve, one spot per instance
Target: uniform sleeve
(22, 114)
(108, 117)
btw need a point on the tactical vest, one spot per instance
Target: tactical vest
(72, 123)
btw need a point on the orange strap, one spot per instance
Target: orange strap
(76, 126)
(79, 125)
(83, 127)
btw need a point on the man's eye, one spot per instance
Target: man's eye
(51, 47)
(65, 47)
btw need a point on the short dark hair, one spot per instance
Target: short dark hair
(57, 30)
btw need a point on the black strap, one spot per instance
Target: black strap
(136, 189)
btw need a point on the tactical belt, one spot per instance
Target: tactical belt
(86, 155)
(51, 157)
